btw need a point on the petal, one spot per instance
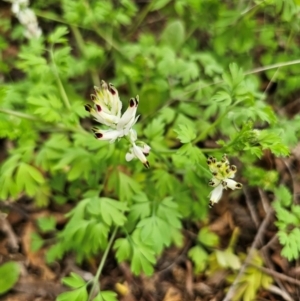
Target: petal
(232, 184)
(231, 171)
(108, 98)
(107, 135)
(128, 118)
(129, 156)
(138, 153)
(115, 100)
(214, 182)
(146, 149)
(216, 195)
(105, 118)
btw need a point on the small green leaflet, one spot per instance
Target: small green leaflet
(199, 257)
(141, 207)
(208, 238)
(155, 129)
(46, 223)
(73, 281)
(192, 152)
(106, 296)
(79, 294)
(9, 275)
(123, 248)
(28, 178)
(223, 98)
(111, 211)
(58, 36)
(128, 187)
(140, 253)
(234, 77)
(185, 133)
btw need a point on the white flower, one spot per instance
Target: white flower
(137, 151)
(140, 153)
(222, 178)
(17, 5)
(27, 18)
(107, 110)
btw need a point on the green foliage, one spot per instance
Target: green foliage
(288, 222)
(266, 180)
(46, 223)
(9, 275)
(194, 86)
(251, 281)
(79, 291)
(79, 286)
(198, 254)
(139, 252)
(185, 133)
(157, 226)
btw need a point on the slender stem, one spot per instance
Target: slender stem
(80, 43)
(213, 125)
(157, 153)
(19, 114)
(142, 16)
(59, 83)
(234, 237)
(59, 127)
(63, 92)
(109, 40)
(102, 262)
(274, 66)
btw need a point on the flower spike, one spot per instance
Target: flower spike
(107, 111)
(223, 175)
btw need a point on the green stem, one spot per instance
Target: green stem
(157, 153)
(109, 40)
(59, 127)
(204, 134)
(141, 17)
(101, 265)
(80, 43)
(59, 83)
(234, 238)
(19, 114)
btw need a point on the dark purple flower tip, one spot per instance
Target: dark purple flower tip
(112, 89)
(131, 102)
(88, 108)
(98, 135)
(146, 164)
(98, 108)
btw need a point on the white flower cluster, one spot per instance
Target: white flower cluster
(27, 18)
(223, 174)
(107, 111)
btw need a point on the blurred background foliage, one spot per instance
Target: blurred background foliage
(205, 71)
